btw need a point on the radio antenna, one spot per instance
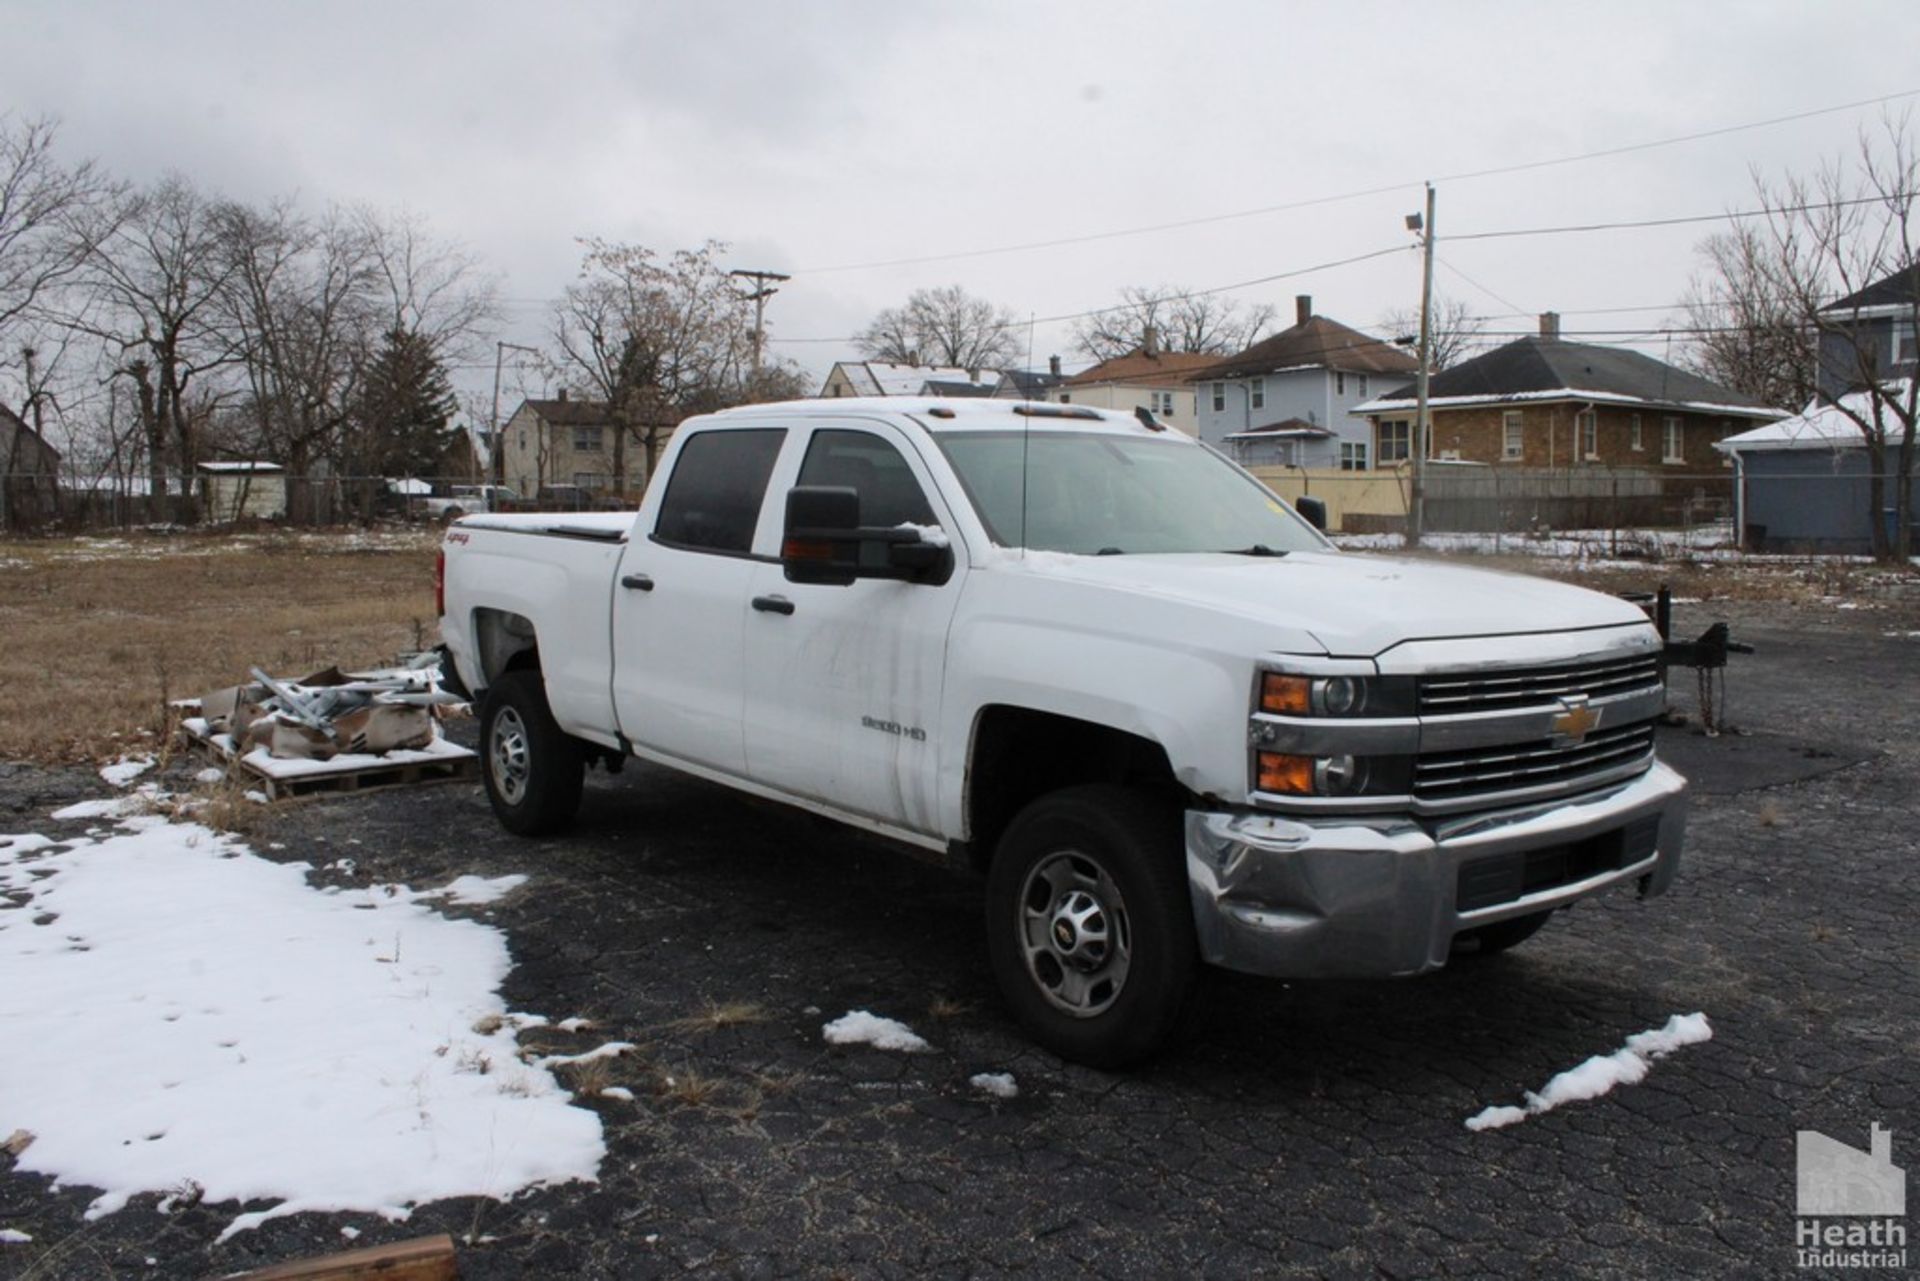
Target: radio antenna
(1026, 438)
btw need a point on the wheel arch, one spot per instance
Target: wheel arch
(1018, 754)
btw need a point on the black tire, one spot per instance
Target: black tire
(1101, 864)
(1491, 940)
(533, 770)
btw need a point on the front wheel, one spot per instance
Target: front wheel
(1089, 924)
(533, 769)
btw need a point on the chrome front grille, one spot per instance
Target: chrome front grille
(1455, 775)
(1504, 689)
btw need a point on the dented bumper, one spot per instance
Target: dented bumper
(1325, 897)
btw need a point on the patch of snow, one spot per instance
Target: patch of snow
(139, 801)
(859, 1027)
(257, 797)
(573, 1025)
(350, 1233)
(211, 774)
(1600, 1074)
(1000, 1085)
(931, 535)
(611, 1050)
(13, 1236)
(620, 1092)
(251, 1035)
(474, 891)
(123, 771)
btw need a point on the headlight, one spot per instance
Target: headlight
(1285, 774)
(1283, 694)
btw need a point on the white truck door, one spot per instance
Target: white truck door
(680, 600)
(844, 683)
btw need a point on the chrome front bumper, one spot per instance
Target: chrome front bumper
(1298, 897)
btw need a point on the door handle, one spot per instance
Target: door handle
(773, 604)
(638, 582)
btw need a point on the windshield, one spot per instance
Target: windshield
(1099, 494)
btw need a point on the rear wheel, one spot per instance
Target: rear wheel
(533, 770)
(1490, 940)
(1089, 924)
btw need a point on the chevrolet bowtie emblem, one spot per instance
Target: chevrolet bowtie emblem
(1574, 723)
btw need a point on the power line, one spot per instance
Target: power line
(1729, 215)
(1463, 176)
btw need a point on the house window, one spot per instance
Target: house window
(1339, 383)
(1589, 424)
(1353, 455)
(1393, 442)
(1637, 442)
(1513, 445)
(1903, 342)
(591, 479)
(1219, 398)
(1363, 384)
(1162, 403)
(1257, 394)
(586, 440)
(1674, 444)
(1066, 398)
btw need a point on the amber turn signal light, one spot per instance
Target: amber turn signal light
(1284, 774)
(1286, 695)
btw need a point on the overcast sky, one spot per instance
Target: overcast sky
(818, 137)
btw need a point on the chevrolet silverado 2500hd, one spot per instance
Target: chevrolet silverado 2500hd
(1168, 721)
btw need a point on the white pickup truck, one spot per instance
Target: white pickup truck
(1087, 656)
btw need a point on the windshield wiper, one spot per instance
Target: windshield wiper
(1110, 551)
(1258, 549)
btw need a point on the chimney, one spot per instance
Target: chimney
(1880, 1145)
(1150, 342)
(1302, 308)
(561, 395)
(1053, 365)
(1550, 324)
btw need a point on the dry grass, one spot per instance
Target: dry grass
(716, 1016)
(946, 1007)
(101, 632)
(688, 1088)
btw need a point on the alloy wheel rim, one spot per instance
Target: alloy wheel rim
(1075, 936)
(508, 754)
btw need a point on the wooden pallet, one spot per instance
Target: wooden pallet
(347, 778)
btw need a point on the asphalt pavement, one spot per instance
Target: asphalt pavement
(1311, 1129)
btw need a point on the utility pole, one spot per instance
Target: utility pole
(1422, 428)
(763, 290)
(497, 461)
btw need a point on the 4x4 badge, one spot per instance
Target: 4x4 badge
(1575, 721)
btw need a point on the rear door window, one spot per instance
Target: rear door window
(715, 493)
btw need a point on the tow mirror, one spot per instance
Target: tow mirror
(1313, 509)
(825, 543)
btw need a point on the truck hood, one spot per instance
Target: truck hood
(1353, 605)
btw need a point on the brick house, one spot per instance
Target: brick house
(1144, 378)
(1543, 402)
(1316, 373)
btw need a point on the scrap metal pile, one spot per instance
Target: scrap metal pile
(333, 713)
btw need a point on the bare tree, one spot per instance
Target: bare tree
(427, 287)
(1823, 241)
(1748, 329)
(1177, 320)
(1456, 332)
(657, 340)
(945, 326)
(45, 231)
(301, 301)
(151, 288)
